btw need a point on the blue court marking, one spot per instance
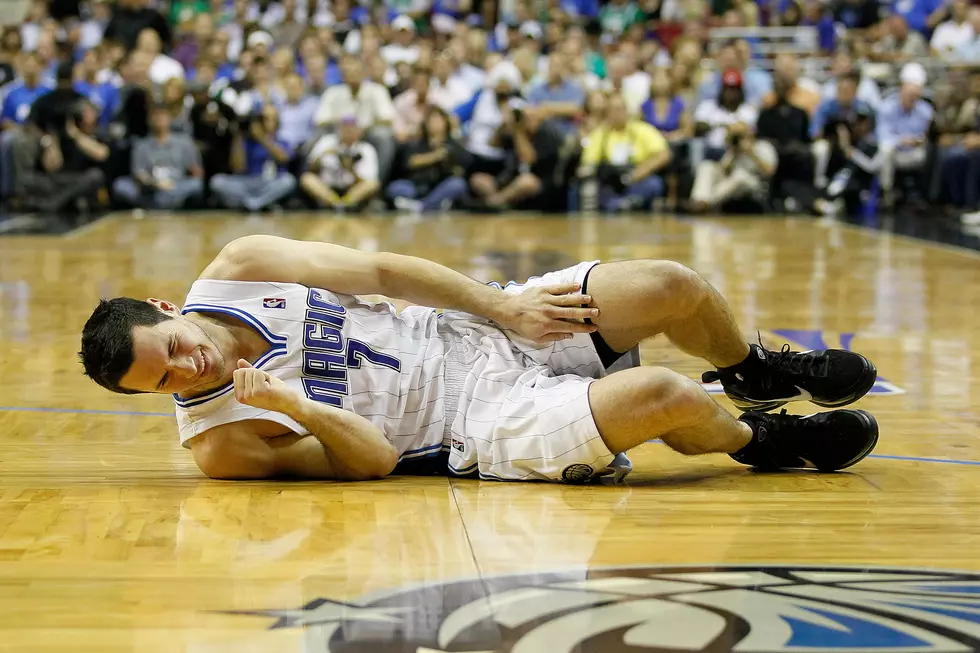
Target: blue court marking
(84, 411)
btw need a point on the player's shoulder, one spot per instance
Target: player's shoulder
(232, 262)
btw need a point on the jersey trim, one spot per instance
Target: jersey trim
(277, 347)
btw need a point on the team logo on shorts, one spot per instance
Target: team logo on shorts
(274, 302)
(716, 609)
(577, 473)
(458, 445)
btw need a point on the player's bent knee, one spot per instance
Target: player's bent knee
(670, 285)
(673, 399)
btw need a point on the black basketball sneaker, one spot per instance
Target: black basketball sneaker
(769, 379)
(824, 441)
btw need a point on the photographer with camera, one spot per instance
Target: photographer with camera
(259, 164)
(625, 156)
(740, 180)
(343, 169)
(166, 168)
(853, 164)
(56, 156)
(535, 177)
(434, 176)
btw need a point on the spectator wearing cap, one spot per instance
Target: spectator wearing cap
(403, 46)
(433, 171)
(369, 102)
(712, 118)
(259, 163)
(902, 127)
(626, 156)
(130, 18)
(558, 97)
(756, 83)
(166, 168)
(343, 169)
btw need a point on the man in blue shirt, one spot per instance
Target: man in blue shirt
(558, 97)
(21, 94)
(259, 161)
(903, 124)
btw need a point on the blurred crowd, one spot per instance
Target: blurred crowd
(486, 105)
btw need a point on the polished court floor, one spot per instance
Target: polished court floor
(111, 540)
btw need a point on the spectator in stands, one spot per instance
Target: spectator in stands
(626, 156)
(754, 87)
(483, 118)
(446, 90)
(411, 107)
(191, 44)
(287, 32)
(404, 45)
(856, 15)
(621, 81)
(135, 95)
(434, 172)
(166, 168)
(969, 50)
(843, 65)
(803, 93)
(296, 113)
(130, 18)
(259, 163)
(741, 177)
(712, 118)
(174, 95)
(539, 181)
(954, 33)
(786, 127)
(369, 102)
(854, 162)
(840, 110)
(20, 94)
(10, 46)
(956, 174)
(162, 67)
(919, 15)
(558, 97)
(63, 165)
(105, 96)
(343, 169)
(899, 44)
(214, 127)
(902, 125)
(319, 76)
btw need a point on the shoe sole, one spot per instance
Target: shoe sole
(871, 377)
(872, 424)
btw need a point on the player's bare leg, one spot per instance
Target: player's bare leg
(642, 403)
(644, 298)
(635, 405)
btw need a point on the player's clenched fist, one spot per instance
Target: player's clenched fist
(253, 387)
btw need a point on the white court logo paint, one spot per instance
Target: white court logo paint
(717, 609)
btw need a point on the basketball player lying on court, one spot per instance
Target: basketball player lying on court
(278, 370)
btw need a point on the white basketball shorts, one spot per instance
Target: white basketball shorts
(523, 409)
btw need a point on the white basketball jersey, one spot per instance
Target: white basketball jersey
(337, 349)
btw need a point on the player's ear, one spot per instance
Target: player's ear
(164, 305)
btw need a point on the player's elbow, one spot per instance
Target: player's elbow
(225, 464)
(381, 465)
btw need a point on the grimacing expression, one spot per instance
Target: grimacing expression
(174, 356)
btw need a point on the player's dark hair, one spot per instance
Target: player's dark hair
(107, 339)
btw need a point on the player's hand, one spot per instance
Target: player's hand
(548, 313)
(259, 389)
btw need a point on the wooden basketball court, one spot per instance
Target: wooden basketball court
(111, 540)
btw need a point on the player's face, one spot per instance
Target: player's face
(174, 356)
